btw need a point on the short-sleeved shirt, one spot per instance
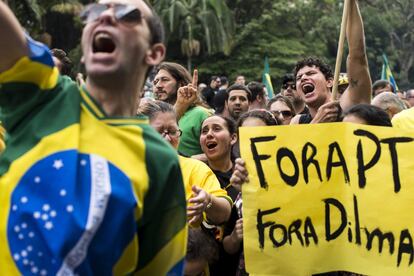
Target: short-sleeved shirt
(80, 192)
(198, 173)
(190, 125)
(404, 119)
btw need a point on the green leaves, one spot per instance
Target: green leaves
(207, 21)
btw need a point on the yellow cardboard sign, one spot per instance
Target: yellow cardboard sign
(328, 197)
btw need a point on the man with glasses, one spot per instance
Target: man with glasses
(83, 190)
(289, 90)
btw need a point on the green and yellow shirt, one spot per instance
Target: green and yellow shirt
(80, 192)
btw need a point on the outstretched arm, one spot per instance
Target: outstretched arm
(359, 89)
(12, 39)
(217, 209)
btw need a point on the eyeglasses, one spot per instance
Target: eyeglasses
(286, 86)
(285, 113)
(172, 132)
(126, 14)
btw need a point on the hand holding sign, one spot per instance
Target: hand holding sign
(240, 174)
(329, 112)
(237, 233)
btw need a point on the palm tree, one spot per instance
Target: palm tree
(198, 22)
(31, 13)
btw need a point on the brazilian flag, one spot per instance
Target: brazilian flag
(386, 73)
(266, 80)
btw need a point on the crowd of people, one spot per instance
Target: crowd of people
(97, 179)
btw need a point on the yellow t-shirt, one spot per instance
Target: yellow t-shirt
(197, 173)
(404, 119)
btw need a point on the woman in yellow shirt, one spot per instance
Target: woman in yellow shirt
(203, 191)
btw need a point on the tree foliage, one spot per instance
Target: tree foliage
(235, 35)
(190, 22)
(391, 31)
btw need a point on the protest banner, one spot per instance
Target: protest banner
(328, 197)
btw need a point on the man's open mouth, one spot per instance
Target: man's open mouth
(103, 43)
(308, 88)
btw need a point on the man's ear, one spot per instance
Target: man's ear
(233, 139)
(155, 54)
(330, 83)
(226, 105)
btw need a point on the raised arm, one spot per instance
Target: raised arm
(12, 39)
(359, 89)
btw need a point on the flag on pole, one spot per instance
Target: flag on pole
(386, 73)
(266, 80)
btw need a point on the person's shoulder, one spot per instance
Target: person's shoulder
(295, 120)
(405, 113)
(404, 119)
(198, 111)
(193, 163)
(65, 82)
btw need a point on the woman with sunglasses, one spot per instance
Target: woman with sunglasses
(203, 191)
(282, 108)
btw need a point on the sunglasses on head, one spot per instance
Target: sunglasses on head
(286, 85)
(126, 14)
(285, 113)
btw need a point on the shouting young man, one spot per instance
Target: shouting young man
(314, 79)
(82, 187)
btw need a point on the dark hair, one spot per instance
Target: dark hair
(220, 100)
(381, 84)
(224, 80)
(155, 26)
(240, 87)
(230, 123)
(64, 59)
(262, 114)
(256, 88)
(314, 61)
(200, 245)
(373, 115)
(284, 99)
(177, 71)
(152, 108)
(213, 78)
(289, 77)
